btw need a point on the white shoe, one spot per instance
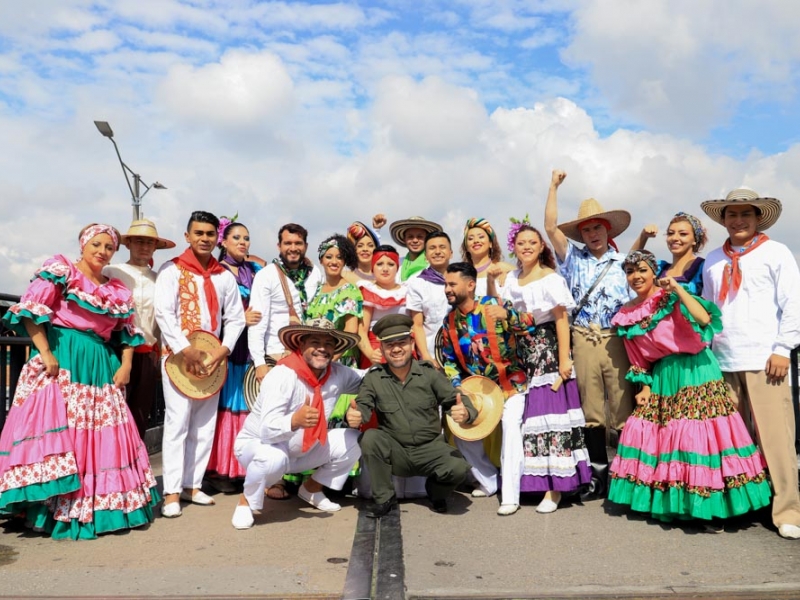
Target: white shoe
(546, 506)
(242, 517)
(200, 497)
(507, 509)
(171, 510)
(789, 531)
(318, 500)
(481, 493)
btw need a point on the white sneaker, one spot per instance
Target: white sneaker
(546, 506)
(171, 510)
(507, 509)
(318, 500)
(242, 517)
(789, 531)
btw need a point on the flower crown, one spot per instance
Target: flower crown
(516, 225)
(223, 224)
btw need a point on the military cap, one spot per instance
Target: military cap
(392, 327)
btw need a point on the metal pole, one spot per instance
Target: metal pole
(137, 199)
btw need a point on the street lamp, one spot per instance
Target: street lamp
(105, 129)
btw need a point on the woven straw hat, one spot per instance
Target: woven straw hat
(146, 229)
(770, 207)
(292, 336)
(250, 387)
(197, 388)
(591, 209)
(398, 229)
(488, 399)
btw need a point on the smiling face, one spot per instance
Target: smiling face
(237, 242)
(201, 237)
(415, 239)
(528, 247)
(364, 249)
(478, 244)
(385, 272)
(680, 238)
(97, 252)
(398, 352)
(595, 236)
(640, 278)
(741, 221)
(292, 249)
(332, 262)
(458, 289)
(317, 350)
(438, 253)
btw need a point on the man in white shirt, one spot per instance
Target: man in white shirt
(281, 293)
(142, 241)
(287, 432)
(756, 284)
(426, 301)
(193, 291)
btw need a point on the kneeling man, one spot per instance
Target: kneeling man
(406, 395)
(287, 430)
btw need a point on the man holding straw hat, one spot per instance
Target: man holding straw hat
(287, 429)
(756, 284)
(137, 274)
(598, 285)
(406, 395)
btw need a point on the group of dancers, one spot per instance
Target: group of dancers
(680, 365)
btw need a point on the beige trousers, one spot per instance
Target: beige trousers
(767, 410)
(601, 364)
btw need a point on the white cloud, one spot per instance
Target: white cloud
(242, 89)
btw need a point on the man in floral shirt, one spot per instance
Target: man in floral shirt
(479, 340)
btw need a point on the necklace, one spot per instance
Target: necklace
(483, 268)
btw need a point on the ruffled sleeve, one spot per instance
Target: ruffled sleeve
(638, 320)
(36, 303)
(349, 301)
(706, 332)
(553, 293)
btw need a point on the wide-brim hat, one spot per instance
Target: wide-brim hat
(591, 209)
(398, 229)
(438, 347)
(191, 386)
(770, 207)
(146, 229)
(291, 336)
(488, 399)
(250, 387)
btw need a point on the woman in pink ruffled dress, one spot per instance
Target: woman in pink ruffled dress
(71, 460)
(685, 452)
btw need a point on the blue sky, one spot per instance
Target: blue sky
(324, 112)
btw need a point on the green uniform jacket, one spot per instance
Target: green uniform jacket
(409, 411)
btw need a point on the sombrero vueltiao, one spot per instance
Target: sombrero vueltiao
(398, 229)
(770, 207)
(197, 388)
(145, 228)
(488, 399)
(291, 336)
(591, 209)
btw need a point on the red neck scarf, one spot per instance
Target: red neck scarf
(189, 261)
(732, 275)
(297, 363)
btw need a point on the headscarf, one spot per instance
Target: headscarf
(480, 223)
(97, 229)
(327, 245)
(700, 235)
(645, 256)
(376, 256)
(358, 230)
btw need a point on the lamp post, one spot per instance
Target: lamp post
(105, 129)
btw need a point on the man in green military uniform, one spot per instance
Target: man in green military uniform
(406, 395)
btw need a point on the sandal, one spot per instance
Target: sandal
(277, 492)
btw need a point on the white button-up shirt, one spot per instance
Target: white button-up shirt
(141, 281)
(429, 299)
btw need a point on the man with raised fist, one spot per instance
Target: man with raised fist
(406, 395)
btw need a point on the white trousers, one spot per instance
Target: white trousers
(188, 436)
(511, 454)
(265, 464)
